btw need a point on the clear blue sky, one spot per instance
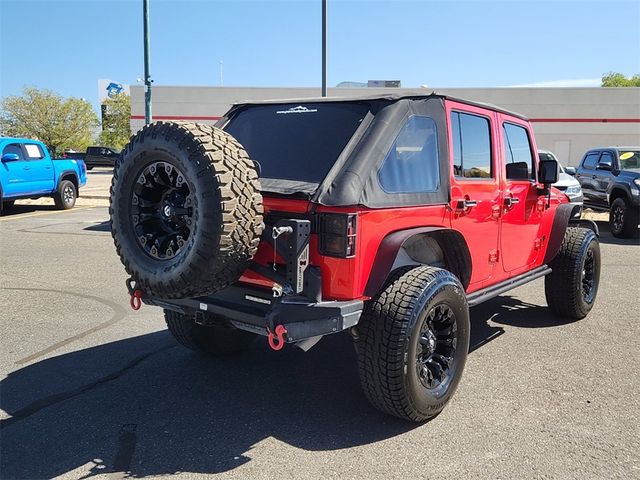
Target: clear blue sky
(67, 45)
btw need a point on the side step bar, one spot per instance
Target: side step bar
(488, 293)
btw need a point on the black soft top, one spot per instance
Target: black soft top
(353, 179)
(385, 97)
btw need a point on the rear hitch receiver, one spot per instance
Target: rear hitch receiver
(276, 340)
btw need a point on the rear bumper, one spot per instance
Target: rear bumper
(254, 309)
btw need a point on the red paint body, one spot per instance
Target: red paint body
(503, 241)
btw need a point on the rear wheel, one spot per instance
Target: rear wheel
(216, 337)
(623, 218)
(572, 285)
(412, 343)
(65, 197)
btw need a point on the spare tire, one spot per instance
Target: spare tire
(186, 210)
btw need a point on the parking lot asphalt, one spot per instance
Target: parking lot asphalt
(90, 388)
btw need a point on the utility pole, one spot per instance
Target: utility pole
(324, 48)
(147, 75)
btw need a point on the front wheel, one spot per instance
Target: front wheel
(623, 219)
(412, 343)
(215, 337)
(65, 197)
(572, 285)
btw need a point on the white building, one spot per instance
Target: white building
(567, 121)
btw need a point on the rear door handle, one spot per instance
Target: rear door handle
(465, 204)
(511, 201)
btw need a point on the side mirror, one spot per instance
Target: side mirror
(548, 172)
(571, 171)
(10, 157)
(605, 166)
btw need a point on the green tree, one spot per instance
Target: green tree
(615, 79)
(115, 123)
(61, 123)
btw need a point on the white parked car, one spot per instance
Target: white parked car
(566, 182)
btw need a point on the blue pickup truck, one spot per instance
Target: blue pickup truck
(28, 171)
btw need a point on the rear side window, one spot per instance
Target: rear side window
(411, 165)
(517, 152)
(591, 160)
(34, 152)
(13, 148)
(471, 146)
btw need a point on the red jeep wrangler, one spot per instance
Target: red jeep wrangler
(387, 217)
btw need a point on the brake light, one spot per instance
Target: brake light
(337, 235)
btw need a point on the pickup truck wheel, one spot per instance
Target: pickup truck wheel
(186, 210)
(65, 196)
(572, 285)
(412, 343)
(218, 337)
(623, 219)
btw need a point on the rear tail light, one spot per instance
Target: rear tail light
(337, 235)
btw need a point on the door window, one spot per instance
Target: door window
(14, 148)
(471, 146)
(519, 160)
(412, 162)
(591, 160)
(606, 158)
(34, 152)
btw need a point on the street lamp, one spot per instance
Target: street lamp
(147, 75)
(324, 48)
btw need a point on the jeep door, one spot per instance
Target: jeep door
(475, 192)
(522, 205)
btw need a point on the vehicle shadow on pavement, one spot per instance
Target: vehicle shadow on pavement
(18, 209)
(161, 409)
(146, 406)
(511, 311)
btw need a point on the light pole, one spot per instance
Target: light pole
(147, 75)
(324, 48)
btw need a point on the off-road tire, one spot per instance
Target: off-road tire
(66, 195)
(628, 227)
(219, 339)
(227, 209)
(387, 341)
(564, 286)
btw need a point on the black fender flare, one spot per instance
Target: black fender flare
(455, 250)
(564, 217)
(67, 173)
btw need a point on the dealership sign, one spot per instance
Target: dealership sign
(110, 89)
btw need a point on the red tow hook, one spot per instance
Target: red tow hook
(279, 334)
(136, 300)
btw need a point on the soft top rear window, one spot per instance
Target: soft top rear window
(296, 142)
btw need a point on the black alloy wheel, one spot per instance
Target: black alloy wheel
(162, 210)
(617, 218)
(588, 279)
(436, 347)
